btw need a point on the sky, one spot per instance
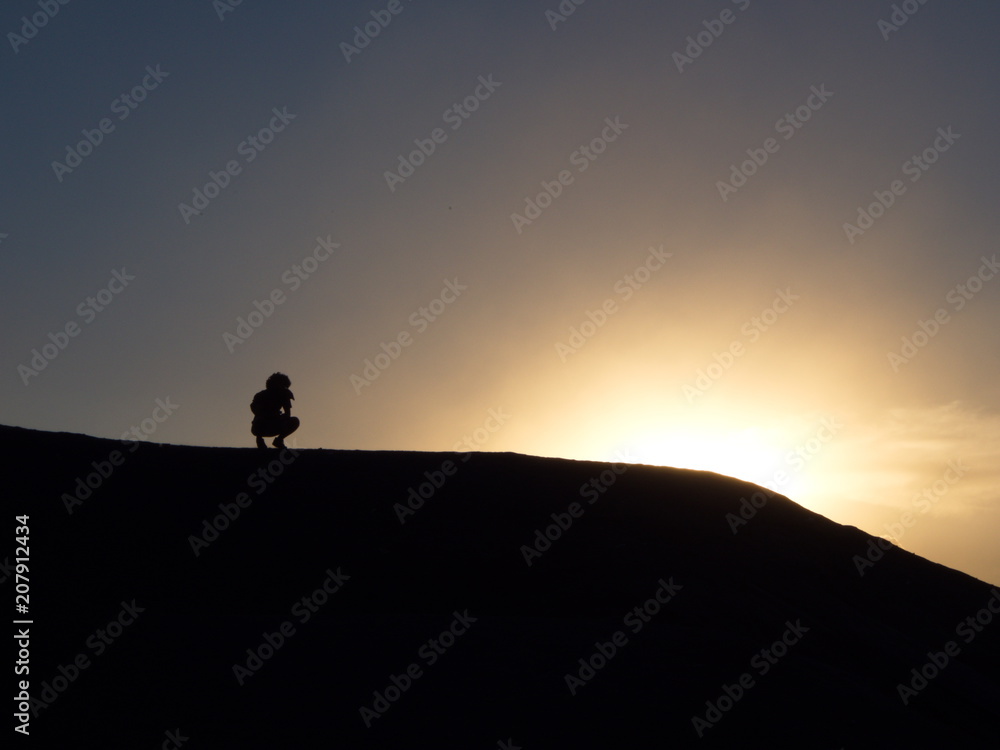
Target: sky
(753, 238)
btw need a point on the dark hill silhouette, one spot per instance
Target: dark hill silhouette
(499, 673)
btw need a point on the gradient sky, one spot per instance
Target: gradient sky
(762, 338)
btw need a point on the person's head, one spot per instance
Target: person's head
(277, 381)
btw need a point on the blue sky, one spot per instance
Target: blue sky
(208, 84)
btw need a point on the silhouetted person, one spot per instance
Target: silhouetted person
(272, 411)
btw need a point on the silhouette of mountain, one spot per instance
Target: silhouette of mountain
(218, 597)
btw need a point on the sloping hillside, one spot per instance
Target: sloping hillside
(385, 599)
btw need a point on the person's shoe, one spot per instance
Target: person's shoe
(278, 442)
(261, 444)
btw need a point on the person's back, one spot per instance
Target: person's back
(272, 410)
(268, 403)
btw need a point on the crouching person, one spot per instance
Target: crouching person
(272, 412)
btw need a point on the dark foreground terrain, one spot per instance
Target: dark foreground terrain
(224, 598)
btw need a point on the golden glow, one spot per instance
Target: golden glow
(745, 453)
(792, 454)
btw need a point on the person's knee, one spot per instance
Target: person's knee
(293, 424)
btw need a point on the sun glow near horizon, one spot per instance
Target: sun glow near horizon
(791, 456)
